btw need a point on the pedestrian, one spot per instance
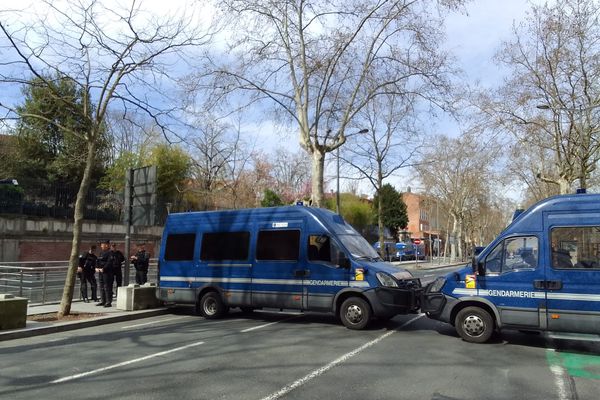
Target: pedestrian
(105, 268)
(87, 273)
(119, 258)
(140, 262)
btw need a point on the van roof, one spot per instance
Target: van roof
(532, 219)
(327, 218)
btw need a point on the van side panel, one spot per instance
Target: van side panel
(573, 301)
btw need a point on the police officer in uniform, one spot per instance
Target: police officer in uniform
(119, 258)
(105, 267)
(140, 262)
(87, 273)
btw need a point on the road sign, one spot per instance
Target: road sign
(417, 241)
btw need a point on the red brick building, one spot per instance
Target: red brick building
(424, 220)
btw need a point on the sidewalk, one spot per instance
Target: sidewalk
(100, 316)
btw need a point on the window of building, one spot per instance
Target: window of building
(217, 246)
(281, 245)
(576, 247)
(180, 247)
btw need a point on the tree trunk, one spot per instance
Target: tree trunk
(380, 227)
(564, 185)
(454, 239)
(318, 163)
(67, 297)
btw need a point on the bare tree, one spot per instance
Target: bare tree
(458, 172)
(117, 57)
(311, 59)
(291, 173)
(550, 100)
(390, 144)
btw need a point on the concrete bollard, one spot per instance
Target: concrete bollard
(13, 312)
(136, 297)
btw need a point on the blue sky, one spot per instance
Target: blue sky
(473, 37)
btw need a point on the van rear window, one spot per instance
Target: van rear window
(281, 245)
(180, 247)
(217, 246)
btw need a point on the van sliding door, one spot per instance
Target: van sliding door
(277, 279)
(573, 279)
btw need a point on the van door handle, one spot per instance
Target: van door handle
(554, 285)
(539, 284)
(301, 273)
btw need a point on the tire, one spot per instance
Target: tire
(355, 313)
(474, 324)
(211, 306)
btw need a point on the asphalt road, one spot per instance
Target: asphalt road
(273, 355)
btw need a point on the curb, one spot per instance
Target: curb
(71, 326)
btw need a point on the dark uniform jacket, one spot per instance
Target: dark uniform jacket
(141, 263)
(107, 261)
(87, 262)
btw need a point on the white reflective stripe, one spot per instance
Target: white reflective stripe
(308, 282)
(574, 296)
(468, 292)
(359, 284)
(526, 294)
(193, 279)
(277, 281)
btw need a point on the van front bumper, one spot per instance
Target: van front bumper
(438, 305)
(388, 301)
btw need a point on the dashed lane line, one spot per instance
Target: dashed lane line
(124, 363)
(320, 371)
(153, 322)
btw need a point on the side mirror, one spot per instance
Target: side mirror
(478, 267)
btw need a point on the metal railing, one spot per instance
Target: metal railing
(43, 282)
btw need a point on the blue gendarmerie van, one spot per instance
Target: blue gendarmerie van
(542, 273)
(292, 257)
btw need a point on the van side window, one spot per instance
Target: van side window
(281, 245)
(513, 254)
(180, 247)
(575, 247)
(319, 248)
(521, 253)
(218, 246)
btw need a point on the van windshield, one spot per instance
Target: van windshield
(359, 247)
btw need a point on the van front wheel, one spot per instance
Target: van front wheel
(355, 313)
(211, 306)
(474, 324)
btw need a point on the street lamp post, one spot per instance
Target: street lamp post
(337, 192)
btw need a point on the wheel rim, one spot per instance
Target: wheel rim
(354, 314)
(210, 307)
(473, 325)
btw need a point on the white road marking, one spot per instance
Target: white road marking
(561, 380)
(320, 371)
(153, 322)
(270, 323)
(124, 363)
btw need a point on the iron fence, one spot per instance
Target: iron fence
(43, 282)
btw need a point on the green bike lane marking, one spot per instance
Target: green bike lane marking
(575, 364)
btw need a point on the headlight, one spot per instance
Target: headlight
(386, 280)
(437, 285)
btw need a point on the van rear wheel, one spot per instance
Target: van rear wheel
(474, 324)
(211, 306)
(355, 313)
